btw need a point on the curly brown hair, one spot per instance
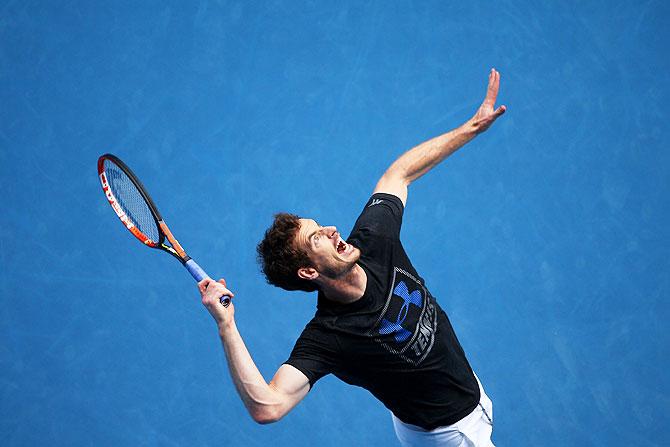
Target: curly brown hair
(280, 259)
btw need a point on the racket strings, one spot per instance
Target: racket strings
(131, 201)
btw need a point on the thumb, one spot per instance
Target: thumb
(202, 285)
(499, 111)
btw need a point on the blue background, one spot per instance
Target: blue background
(545, 239)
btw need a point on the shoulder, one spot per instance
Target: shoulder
(384, 199)
(382, 214)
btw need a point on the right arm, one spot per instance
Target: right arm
(266, 402)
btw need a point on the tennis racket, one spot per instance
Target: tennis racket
(138, 213)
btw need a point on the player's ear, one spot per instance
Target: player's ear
(308, 273)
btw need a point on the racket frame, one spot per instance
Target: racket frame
(175, 248)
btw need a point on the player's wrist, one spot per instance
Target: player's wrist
(470, 129)
(226, 327)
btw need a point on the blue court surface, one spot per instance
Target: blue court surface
(546, 239)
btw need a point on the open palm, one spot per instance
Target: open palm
(486, 114)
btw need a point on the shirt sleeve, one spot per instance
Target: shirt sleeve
(382, 215)
(314, 354)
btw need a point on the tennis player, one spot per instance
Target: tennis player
(376, 324)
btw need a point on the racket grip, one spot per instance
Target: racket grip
(195, 270)
(199, 274)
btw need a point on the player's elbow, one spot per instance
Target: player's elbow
(264, 420)
(266, 415)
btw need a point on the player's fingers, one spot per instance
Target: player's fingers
(202, 285)
(210, 299)
(499, 111)
(491, 90)
(495, 83)
(215, 291)
(225, 292)
(221, 286)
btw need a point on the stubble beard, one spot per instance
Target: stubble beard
(340, 271)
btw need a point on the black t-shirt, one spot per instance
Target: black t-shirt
(395, 341)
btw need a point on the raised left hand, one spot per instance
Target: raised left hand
(486, 115)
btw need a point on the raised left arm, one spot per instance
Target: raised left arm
(422, 158)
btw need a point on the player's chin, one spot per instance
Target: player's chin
(353, 256)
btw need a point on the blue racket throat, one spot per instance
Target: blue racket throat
(199, 274)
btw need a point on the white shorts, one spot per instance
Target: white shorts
(474, 430)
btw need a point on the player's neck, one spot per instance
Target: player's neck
(346, 289)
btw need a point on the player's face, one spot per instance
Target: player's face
(324, 246)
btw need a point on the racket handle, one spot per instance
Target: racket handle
(199, 274)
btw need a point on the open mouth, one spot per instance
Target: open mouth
(342, 246)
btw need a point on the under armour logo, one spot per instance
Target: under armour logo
(375, 202)
(390, 327)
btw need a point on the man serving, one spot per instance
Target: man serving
(376, 324)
